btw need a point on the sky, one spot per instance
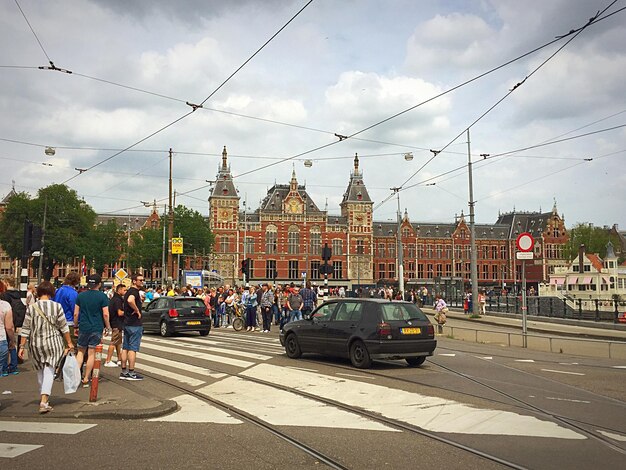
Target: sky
(371, 70)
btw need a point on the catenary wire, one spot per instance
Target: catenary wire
(33, 31)
(194, 107)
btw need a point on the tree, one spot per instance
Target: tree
(103, 245)
(195, 230)
(69, 221)
(18, 209)
(146, 248)
(595, 240)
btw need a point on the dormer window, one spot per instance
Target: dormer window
(225, 191)
(359, 196)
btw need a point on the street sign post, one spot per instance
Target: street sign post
(525, 244)
(177, 246)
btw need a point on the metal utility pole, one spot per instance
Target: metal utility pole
(164, 249)
(399, 254)
(245, 236)
(170, 228)
(43, 239)
(473, 253)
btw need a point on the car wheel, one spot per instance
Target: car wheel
(359, 356)
(204, 332)
(164, 330)
(415, 361)
(292, 346)
(238, 324)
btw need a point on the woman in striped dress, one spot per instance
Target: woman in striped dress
(45, 328)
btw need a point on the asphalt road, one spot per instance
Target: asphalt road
(528, 408)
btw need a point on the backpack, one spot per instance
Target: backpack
(17, 306)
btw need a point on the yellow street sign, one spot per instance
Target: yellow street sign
(177, 246)
(121, 274)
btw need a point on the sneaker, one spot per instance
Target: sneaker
(228, 326)
(4, 374)
(119, 363)
(110, 364)
(85, 384)
(14, 372)
(124, 375)
(134, 376)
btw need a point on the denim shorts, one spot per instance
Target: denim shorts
(132, 338)
(88, 340)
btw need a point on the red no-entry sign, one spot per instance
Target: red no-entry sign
(525, 242)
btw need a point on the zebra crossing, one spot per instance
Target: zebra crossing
(285, 406)
(12, 450)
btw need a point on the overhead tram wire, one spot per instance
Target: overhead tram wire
(510, 92)
(573, 32)
(34, 33)
(193, 106)
(353, 136)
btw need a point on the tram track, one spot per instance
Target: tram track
(329, 461)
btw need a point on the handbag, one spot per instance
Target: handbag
(71, 373)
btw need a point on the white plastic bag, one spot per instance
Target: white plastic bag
(71, 374)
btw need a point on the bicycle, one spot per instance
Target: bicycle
(239, 319)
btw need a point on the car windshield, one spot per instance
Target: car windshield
(398, 311)
(189, 303)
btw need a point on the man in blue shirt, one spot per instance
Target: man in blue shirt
(66, 295)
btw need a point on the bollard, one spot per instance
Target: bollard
(93, 392)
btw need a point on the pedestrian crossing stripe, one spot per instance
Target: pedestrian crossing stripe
(10, 451)
(178, 365)
(43, 427)
(194, 410)
(284, 408)
(207, 347)
(199, 355)
(426, 412)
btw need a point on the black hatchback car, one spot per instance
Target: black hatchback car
(169, 315)
(362, 330)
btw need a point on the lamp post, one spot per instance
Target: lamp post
(43, 236)
(399, 254)
(306, 244)
(473, 254)
(245, 236)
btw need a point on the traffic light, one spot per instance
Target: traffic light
(326, 252)
(35, 238)
(326, 268)
(244, 267)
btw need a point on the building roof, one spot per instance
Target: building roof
(224, 186)
(356, 192)
(273, 201)
(6, 198)
(595, 261)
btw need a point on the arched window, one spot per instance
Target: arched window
(271, 239)
(293, 240)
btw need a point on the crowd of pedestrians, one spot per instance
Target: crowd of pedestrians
(45, 324)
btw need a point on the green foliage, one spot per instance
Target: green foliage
(595, 240)
(103, 245)
(19, 208)
(146, 248)
(194, 229)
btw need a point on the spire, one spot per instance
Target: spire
(356, 163)
(294, 182)
(224, 155)
(554, 211)
(610, 252)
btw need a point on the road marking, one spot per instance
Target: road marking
(282, 408)
(228, 344)
(427, 412)
(568, 363)
(449, 355)
(357, 376)
(567, 399)
(524, 360)
(224, 335)
(10, 451)
(194, 410)
(232, 352)
(43, 428)
(619, 367)
(616, 437)
(301, 368)
(562, 372)
(182, 365)
(489, 358)
(172, 375)
(203, 356)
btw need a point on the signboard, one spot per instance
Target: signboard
(121, 274)
(177, 246)
(126, 281)
(193, 279)
(524, 255)
(525, 242)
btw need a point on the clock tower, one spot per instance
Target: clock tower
(356, 207)
(224, 217)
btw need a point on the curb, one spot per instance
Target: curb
(163, 408)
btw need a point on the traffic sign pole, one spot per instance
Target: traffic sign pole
(524, 307)
(525, 244)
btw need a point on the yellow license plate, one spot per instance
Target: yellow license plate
(410, 331)
(197, 323)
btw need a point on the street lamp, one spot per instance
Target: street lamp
(399, 254)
